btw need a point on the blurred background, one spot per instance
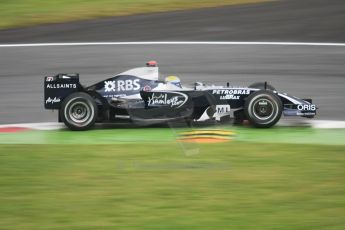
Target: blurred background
(136, 178)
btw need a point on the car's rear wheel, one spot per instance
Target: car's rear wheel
(263, 109)
(79, 111)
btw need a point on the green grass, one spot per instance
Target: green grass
(121, 135)
(237, 185)
(18, 13)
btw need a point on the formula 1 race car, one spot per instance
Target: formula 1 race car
(138, 96)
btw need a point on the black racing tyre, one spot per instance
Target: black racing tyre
(263, 108)
(79, 111)
(261, 85)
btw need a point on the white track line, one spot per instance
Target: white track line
(173, 43)
(37, 126)
(323, 124)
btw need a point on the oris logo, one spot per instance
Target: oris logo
(121, 85)
(306, 107)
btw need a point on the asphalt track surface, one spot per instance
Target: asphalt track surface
(281, 20)
(304, 71)
(315, 72)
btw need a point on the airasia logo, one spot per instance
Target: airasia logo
(121, 85)
(306, 107)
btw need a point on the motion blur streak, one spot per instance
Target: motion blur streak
(174, 43)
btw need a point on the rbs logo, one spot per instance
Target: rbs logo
(306, 107)
(121, 85)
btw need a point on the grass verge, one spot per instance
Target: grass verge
(237, 185)
(154, 135)
(18, 13)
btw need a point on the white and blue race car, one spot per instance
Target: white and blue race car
(137, 95)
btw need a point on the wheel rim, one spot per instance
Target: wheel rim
(263, 109)
(79, 112)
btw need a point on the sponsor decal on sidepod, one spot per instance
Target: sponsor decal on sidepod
(121, 85)
(164, 99)
(230, 94)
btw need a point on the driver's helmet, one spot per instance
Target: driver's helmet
(173, 80)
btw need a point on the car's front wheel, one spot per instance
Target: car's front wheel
(79, 111)
(263, 108)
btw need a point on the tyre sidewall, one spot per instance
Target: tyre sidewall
(254, 98)
(84, 100)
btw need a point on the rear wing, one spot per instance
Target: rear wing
(57, 87)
